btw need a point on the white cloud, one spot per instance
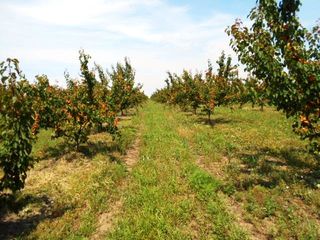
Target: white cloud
(76, 12)
(156, 35)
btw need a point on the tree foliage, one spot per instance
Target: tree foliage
(202, 90)
(18, 125)
(283, 54)
(122, 77)
(47, 102)
(87, 104)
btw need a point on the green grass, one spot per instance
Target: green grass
(263, 165)
(245, 176)
(168, 196)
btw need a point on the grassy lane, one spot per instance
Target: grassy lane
(271, 180)
(245, 177)
(168, 196)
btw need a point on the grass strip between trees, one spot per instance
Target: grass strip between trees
(168, 196)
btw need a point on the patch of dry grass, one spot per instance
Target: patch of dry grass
(66, 191)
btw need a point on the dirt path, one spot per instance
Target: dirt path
(232, 205)
(107, 220)
(216, 170)
(132, 156)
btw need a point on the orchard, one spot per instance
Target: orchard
(282, 59)
(86, 105)
(284, 55)
(228, 150)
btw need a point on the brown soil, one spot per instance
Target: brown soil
(132, 156)
(107, 220)
(234, 207)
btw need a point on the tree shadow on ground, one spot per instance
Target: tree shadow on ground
(111, 149)
(13, 225)
(92, 149)
(214, 121)
(89, 149)
(56, 151)
(268, 167)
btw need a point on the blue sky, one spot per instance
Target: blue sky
(157, 35)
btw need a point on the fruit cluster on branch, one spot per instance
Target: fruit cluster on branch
(87, 104)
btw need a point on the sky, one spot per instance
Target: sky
(157, 35)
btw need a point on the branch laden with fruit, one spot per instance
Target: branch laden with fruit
(283, 54)
(85, 106)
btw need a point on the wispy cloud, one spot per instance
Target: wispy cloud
(76, 12)
(157, 35)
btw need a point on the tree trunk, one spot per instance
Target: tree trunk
(261, 107)
(77, 146)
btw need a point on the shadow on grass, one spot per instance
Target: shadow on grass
(214, 121)
(112, 149)
(13, 226)
(53, 151)
(92, 148)
(56, 151)
(268, 167)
